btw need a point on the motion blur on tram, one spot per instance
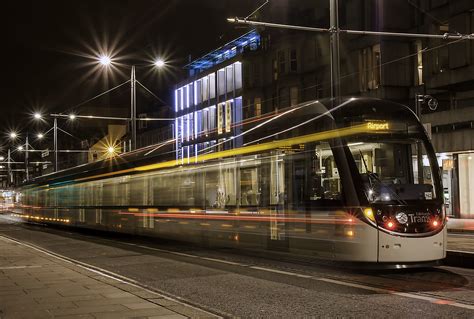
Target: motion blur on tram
(353, 181)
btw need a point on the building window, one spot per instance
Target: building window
(229, 71)
(220, 117)
(370, 68)
(238, 75)
(283, 98)
(257, 106)
(212, 118)
(198, 92)
(212, 86)
(293, 61)
(418, 63)
(281, 62)
(275, 70)
(293, 95)
(221, 82)
(142, 124)
(205, 88)
(228, 115)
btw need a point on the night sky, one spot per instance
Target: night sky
(48, 47)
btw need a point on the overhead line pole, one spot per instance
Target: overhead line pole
(335, 58)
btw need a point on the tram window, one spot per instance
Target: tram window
(313, 177)
(389, 170)
(249, 187)
(325, 179)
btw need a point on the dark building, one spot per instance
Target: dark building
(268, 69)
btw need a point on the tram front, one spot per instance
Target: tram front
(397, 177)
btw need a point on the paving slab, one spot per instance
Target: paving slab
(35, 284)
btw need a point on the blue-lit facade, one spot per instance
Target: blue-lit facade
(208, 105)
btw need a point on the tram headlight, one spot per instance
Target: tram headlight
(369, 214)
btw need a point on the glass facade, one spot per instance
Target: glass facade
(207, 110)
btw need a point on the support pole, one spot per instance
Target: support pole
(27, 175)
(335, 61)
(10, 176)
(419, 99)
(133, 109)
(55, 142)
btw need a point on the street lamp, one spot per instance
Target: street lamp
(37, 116)
(72, 117)
(40, 135)
(13, 135)
(106, 61)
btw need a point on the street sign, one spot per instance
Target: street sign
(45, 153)
(45, 166)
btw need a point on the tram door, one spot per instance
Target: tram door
(274, 173)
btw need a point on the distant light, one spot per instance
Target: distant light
(159, 63)
(40, 135)
(390, 225)
(350, 233)
(37, 116)
(386, 197)
(1, 166)
(13, 135)
(2, 158)
(20, 148)
(72, 116)
(111, 149)
(105, 60)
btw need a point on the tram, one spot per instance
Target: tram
(357, 181)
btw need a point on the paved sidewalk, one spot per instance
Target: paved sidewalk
(34, 284)
(460, 225)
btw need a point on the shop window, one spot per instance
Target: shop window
(466, 185)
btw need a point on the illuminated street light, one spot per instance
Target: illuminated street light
(105, 60)
(72, 116)
(13, 135)
(37, 116)
(159, 63)
(20, 148)
(40, 135)
(111, 149)
(2, 158)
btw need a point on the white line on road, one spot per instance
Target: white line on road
(327, 280)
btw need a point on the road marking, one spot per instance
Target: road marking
(281, 272)
(433, 300)
(18, 267)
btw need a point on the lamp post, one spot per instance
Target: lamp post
(106, 61)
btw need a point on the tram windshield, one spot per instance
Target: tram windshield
(390, 171)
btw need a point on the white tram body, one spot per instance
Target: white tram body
(354, 182)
